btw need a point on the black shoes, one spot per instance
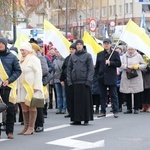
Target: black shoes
(79, 123)
(39, 129)
(116, 115)
(76, 123)
(128, 112)
(136, 111)
(101, 115)
(86, 123)
(67, 116)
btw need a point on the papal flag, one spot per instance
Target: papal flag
(92, 46)
(21, 38)
(53, 35)
(136, 37)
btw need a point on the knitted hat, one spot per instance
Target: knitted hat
(4, 41)
(73, 46)
(120, 47)
(35, 47)
(129, 47)
(79, 41)
(26, 46)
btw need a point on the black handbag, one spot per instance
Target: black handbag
(3, 106)
(37, 100)
(131, 73)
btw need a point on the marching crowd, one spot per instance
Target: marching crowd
(120, 74)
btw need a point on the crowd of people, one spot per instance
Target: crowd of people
(119, 75)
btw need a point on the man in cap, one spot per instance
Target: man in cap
(10, 70)
(80, 72)
(107, 76)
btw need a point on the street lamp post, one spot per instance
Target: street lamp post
(66, 18)
(14, 21)
(115, 19)
(80, 25)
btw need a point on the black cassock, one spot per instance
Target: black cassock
(81, 103)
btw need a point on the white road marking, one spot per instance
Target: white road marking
(1, 140)
(77, 144)
(56, 127)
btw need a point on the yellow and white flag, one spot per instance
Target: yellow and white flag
(92, 46)
(52, 34)
(136, 37)
(21, 38)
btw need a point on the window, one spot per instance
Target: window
(104, 11)
(114, 9)
(110, 10)
(97, 13)
(131, 7)
(120, 9)
(126, 8)
(91, 13)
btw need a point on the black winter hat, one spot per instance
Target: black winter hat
(4, 41)
(14, 49)
(73, 46)
(79, 41)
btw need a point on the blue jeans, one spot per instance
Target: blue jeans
(61, 97)
(113, 96)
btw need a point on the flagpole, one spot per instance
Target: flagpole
(114, 49)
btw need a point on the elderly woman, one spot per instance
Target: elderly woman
(132, 60)
(29, 83)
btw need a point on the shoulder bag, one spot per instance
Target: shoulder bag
(37, 100)
(131, 73)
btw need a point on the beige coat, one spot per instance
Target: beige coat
(32, 74)
(134, 85)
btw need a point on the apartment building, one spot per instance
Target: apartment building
(77, 13)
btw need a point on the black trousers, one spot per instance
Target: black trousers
(45, 109)
(10, 112)
(96, 100)
(20, 113)
(40, 118)
(120, 98)
(146, 96)
(136, 101)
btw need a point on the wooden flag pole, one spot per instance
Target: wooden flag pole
(114, 49)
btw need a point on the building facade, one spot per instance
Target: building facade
(75, 15)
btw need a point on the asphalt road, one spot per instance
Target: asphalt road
(128, 132)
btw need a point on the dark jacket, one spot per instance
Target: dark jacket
(95, 85)
(80, 68)
(63, 76)
(107, 75)
(11, 65)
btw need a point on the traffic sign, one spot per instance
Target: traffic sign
(112, 23)
(92, 25)
(34, 33)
